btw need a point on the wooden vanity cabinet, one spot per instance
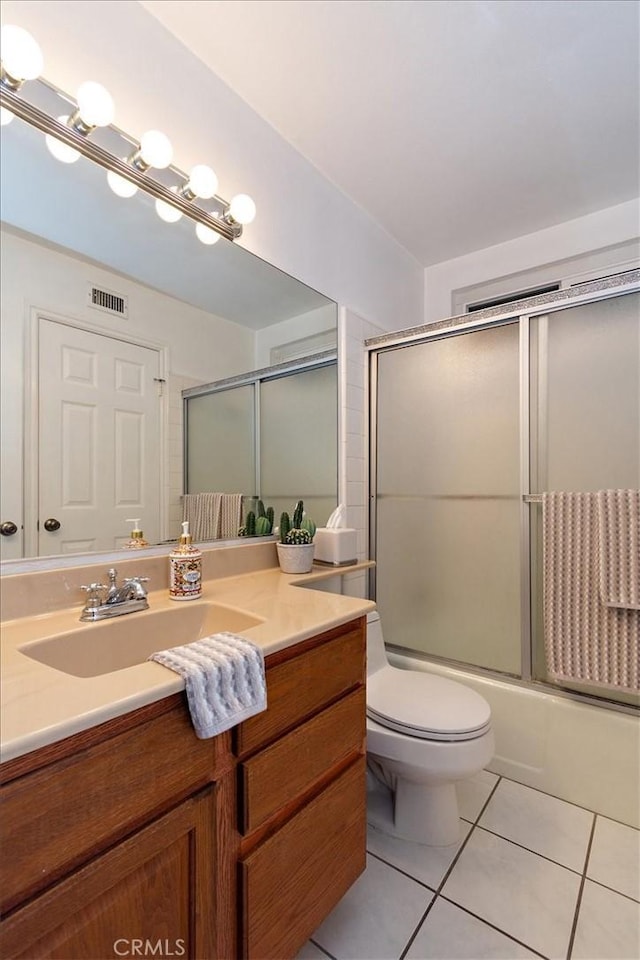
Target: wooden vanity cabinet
(117, 836)
(135, 838)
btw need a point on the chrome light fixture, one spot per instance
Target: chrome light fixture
(95, 108)
(21, 57)
(69, 136)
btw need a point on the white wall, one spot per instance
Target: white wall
(305, 225)
(571, 239)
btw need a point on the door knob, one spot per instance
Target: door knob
(8, 528)
(51, 524)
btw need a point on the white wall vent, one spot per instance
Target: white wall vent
(108, 301)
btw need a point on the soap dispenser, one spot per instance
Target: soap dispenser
(185, 568)
(137, 540)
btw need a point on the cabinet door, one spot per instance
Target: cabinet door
(142, 898)
(292, 880)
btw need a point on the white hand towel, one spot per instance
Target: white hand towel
(224, 679)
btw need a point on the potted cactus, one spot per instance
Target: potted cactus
(296, 547)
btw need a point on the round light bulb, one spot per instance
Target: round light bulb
(21, 55)
(203, 182)
(95, 104)
(166, 211)
(120, 185)
(206, 235)
(242, 209)
(5, 117)
(155, 149)
(61, 151)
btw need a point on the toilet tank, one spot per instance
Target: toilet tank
(376, 654)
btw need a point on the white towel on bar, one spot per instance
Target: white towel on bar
(619, 531)
(224, 679)
(202, 510)
(585, 639)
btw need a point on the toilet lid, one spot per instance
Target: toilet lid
(424, 705)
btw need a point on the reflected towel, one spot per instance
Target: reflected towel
(202, 510)
(224, 679)
(619, 531)
(584, 638)
(230, 515)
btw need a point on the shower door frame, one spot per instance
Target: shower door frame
(521, 312)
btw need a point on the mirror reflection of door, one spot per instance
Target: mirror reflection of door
(98, 439)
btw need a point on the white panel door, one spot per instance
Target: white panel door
(99, 439)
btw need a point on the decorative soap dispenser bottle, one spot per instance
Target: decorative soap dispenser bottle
(185, 568)
(137, 540)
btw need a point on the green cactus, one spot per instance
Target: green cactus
(298, 514)
(263, 527)
(260, 511)
(251, 524)
(298, 536)
(271, 516)
(308, 525)
(285, 526)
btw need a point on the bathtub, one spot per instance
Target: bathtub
(586, 754)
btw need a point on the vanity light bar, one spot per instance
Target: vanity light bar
(224, 225)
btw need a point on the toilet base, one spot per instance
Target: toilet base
(426, 813)
(408, 820)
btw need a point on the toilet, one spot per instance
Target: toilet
(424, 733)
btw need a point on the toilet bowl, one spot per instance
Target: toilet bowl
(424, 733)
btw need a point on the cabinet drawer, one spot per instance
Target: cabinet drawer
(283, 771)
(56, 817)
(302, 685)
(293, 879)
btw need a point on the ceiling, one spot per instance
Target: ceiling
(457, 124)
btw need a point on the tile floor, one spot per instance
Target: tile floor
(532, 876)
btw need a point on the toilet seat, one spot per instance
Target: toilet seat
(426, 706)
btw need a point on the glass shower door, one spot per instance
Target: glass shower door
(298, 448)
(448, 497)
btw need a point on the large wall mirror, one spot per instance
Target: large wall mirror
(109, 314)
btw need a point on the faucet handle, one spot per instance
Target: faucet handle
(93, 589)
(136, 585)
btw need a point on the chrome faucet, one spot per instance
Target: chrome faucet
(104, 602)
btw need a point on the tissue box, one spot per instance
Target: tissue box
(336, 546)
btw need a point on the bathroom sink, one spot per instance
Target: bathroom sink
(98, 648)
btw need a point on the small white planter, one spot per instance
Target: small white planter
(296, 557)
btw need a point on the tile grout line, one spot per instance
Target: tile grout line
(409, 876)
(576, 913)
(536, 853)
(572, 803)
(487, 923)
(448, 871)
(322, 949)
(605, 886)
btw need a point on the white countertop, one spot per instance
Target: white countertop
(41, 705)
